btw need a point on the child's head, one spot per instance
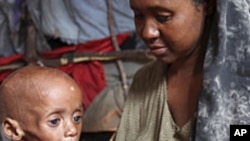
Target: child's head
(40, 104)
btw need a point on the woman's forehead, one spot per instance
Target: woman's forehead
(155, 5)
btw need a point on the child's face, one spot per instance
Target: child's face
(58, 116)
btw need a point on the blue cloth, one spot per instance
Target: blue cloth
(71, 21)
(78, 21)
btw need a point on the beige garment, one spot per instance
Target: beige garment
(146, 116)
(104, 113)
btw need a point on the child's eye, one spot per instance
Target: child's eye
(54, 122)
(77, 119)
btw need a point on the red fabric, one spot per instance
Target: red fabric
(89, 75)
(10, 59)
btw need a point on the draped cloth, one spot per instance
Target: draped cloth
(146, 115)
(225, 98)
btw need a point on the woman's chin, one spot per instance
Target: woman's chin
(165, 59)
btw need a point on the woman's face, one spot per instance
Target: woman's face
(171, 28)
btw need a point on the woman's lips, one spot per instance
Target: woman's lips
(158, 50)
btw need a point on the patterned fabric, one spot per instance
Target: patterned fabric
(225, 99)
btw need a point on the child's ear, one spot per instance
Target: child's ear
(12, 129)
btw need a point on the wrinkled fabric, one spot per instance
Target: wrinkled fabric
(9, 25)
(146, 115)
(110, 100)
(70, 21)
(225, 99)
(78, 21)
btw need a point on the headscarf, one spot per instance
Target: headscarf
(225, 97)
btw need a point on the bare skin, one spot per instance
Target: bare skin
(173, 31)
(41, 104)
(184, 86)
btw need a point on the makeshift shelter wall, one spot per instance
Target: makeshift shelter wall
(31, 27)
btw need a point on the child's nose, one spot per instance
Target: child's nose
(71, 129)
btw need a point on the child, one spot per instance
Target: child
(40, 103)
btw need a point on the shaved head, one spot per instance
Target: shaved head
(26, 87)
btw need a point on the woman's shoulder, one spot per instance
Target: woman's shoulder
(148, 75)
(152, 68)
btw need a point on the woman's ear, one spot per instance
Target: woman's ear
(12, 129)
(210, 6)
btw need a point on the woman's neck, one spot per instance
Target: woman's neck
(190, 65)
(184, 82)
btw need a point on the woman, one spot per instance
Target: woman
(168, 95)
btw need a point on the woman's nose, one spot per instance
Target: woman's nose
(149, 31)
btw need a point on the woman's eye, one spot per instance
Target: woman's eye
(77, 119)
(162, 19)
(54, 122)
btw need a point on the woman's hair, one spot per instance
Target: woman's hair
(199, 1)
